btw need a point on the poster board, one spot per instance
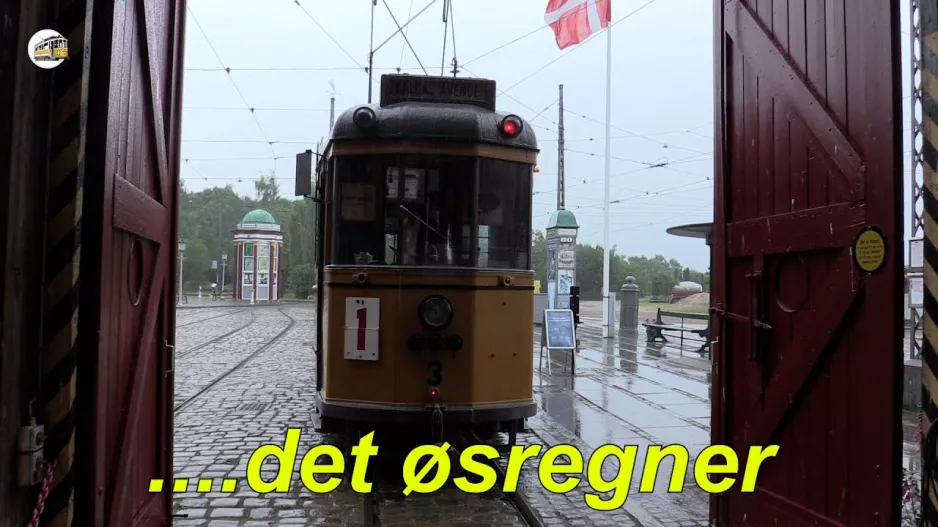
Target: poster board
(917, 291)
(558, 332)
(916, 255)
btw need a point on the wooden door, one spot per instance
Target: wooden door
(808, 160)
(133, 178)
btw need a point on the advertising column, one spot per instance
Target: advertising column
(561, 258)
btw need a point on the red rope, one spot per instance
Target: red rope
(43, 494)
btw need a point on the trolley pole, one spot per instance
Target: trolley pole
(371, 49)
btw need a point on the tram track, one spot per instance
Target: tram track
(217, 339)
(217, 380)
(385, 473)
(193, 322)
(636, 375)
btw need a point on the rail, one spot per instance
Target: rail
(654, 329)
(181, 406)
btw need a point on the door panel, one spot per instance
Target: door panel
(808, 354)
(136, 87)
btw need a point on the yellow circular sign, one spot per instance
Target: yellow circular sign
(869, 250)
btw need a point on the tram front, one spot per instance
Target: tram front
(425, 260)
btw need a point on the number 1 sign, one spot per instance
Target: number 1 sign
(362, 317)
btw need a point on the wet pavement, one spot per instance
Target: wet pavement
(625, 392)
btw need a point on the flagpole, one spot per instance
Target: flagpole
(607, 309)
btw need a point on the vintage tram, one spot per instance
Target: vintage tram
(426, 288)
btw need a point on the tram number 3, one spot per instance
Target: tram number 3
(436, 373)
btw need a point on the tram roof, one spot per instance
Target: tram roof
(434, 121)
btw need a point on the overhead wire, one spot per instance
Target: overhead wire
(506, 44)
(223, 109)
(228, 72)
(410, 11)
(633, 134)
(406, 40)
(298, 68)
(334, 41)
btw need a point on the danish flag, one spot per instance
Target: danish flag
(573, 21)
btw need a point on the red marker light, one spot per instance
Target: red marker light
(434, 392)
(511, 126)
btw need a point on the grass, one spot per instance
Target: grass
(648, 304)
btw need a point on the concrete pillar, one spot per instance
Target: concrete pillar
(628, 311)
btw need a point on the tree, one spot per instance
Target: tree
(300, 280)
(539, 258)
(267, 190)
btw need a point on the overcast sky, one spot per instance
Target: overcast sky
(282, 60)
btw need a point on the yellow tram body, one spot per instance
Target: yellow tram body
(425, 292)
(52, 48)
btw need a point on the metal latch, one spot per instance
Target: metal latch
(172, 358)
(32, 438)
(736, 317)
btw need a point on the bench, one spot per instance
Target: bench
(654, 328)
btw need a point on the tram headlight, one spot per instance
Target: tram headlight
(435, 312)
(365, 118)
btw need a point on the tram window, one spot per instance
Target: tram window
(424, 219)
(505, 215)
(357, 230)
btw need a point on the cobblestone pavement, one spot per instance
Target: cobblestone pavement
(197, 367)
(216, 434)
(626, 394)
(186, 317)
(206, 329)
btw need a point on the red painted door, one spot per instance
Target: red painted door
(808, 356)
(134, 121)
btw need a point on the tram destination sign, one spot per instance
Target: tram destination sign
(453, 90)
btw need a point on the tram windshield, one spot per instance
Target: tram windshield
(426, 218)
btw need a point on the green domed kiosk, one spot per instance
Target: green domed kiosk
(258, 255)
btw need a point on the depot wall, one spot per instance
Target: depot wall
(24, 101)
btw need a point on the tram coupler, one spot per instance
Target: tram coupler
(436, 422)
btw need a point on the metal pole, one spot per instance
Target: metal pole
(222, 283)
(607, 315)
(181, 258)
(331, 116)
(560, 149)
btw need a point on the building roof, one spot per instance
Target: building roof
(563, 219)
(258, 216)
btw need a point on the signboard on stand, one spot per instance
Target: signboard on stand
(558, 333)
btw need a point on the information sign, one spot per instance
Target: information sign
(558, 326)
(917, 291)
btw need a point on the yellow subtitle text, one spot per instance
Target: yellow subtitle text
(561, 469)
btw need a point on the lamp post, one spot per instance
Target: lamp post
(224, 261)
(182, 249)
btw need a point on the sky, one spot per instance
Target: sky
(286, 58)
